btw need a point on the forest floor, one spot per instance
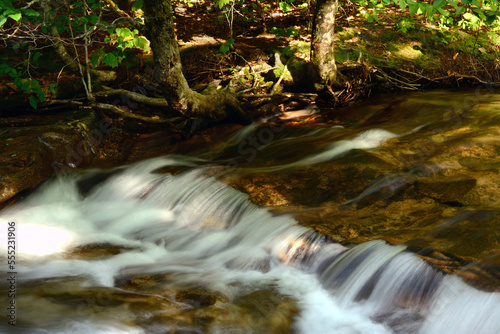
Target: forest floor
(410, 50)
(454, 56)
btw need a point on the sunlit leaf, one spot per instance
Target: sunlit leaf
(285, 6)
(402, 4)
(16, 17)
(222, 3)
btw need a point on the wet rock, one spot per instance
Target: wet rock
(314, 185)
(484, 274)
(196, 297)
(96, 251)
(35, 149)
(264, 311)
(451, 189)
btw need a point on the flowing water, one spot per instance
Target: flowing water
(140, 250)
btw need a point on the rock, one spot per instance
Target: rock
(450, 189)
(196, 298)
(33, 150)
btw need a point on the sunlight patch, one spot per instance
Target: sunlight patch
(41, 240)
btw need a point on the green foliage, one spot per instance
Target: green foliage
(124, 38)
(222, 3)
(137, 5)
(224, 48)
(77, 21)
(280, 32)
(404, 24)
(285, 6)
(467, 14)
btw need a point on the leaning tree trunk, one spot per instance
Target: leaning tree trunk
(160, 31)
(322, 41)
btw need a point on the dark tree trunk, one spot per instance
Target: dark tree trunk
(322, 41)
(125, 5)
(160, 31)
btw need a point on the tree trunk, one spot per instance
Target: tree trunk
(160, 31)
(322, 41)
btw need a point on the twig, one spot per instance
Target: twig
(462, 76)
(255, 80)
(406, 85)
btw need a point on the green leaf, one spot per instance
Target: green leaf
(94, 60)
(36, 56)
(443, 12)
(25, 85)
(40, 94)
(413, 8)
(468, 16)
(93, 19)
(285, 6)
(2, 20)
(33, 102)
(141, 43)
(278, 32)
(460, 10)
(52, 88)
(291, 32)
(137, 5)
(224, 48)
(30, 12)
(16, 17)
(110, 59)
(222, 3)
(439, 3)
(402, 4)
(430, 11)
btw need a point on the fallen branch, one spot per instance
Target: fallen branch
(152, 101)
(121, 112)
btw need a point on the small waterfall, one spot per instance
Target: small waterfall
(204, 233)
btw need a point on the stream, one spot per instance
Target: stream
(234, 238)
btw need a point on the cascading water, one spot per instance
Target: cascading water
(109, 251)
(206, 233)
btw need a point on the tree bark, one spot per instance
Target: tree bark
(322, 41)
(160, 31)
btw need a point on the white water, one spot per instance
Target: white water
(207, 233)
